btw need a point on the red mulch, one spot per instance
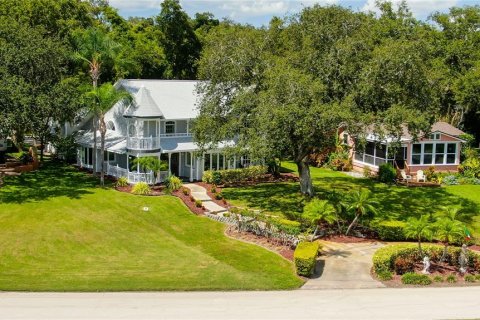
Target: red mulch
(474, 247)
(222, 203)
(189, 202)
(284, 251)
(347, 239)
(156, 190)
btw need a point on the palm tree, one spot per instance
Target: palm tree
(317, 211)
(419, 229)
(360, 203)
(94, 47)
(448, 231)
(151, 163)
(105, 97)
(451, 213)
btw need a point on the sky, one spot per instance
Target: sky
(259, 12)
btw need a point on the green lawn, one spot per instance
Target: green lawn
(396, 202)
(59, 232)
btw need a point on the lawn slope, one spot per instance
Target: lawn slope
(58, 232)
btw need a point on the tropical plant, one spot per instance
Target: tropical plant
(418, 229)
(141, 188)
(448, 231)
(361, 203)
(317, 211)
(153, 164)
(94, 48)
(122, 182)
(173, 183)
(105, 97)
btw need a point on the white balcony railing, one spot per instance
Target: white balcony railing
(176, 134)
(143, 143)
(135, 177)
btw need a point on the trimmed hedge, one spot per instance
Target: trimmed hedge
(384, 258)
(232, 176)
(387, 173)
(415, 278)
(390, 230)
(305, 257)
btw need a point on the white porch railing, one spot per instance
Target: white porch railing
(135, 177)
(177, 134)
(143, 143)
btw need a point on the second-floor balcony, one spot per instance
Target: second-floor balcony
(143, 143)
(175, 134)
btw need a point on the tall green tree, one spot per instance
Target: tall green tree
(104, 98)
(180, 43)
(95, 49)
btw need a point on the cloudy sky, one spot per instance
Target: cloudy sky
(259, 12)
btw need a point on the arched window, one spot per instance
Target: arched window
(132, 131)
(170, 127)
(110, 125)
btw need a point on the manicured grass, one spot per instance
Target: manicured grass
(59, 232)
(395, 202)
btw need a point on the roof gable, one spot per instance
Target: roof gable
(143, 106)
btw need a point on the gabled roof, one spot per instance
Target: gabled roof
(175, 99)
(446, 128)
(143, 106)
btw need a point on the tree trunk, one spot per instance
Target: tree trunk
(444, 255)
(420, 248)
(314, 233)
(103, 131)
(306, 186)
(94, 157)
(352, 224)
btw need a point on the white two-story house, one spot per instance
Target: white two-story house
(156, 123)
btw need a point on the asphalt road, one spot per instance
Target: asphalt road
(410, 303)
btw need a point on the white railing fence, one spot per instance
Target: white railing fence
(135, 177)
(176, 134)
(143, 143)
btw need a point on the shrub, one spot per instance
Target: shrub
(173, 183)
(339, 160)
(122, 182)
(450, 180)
(386, 173)
(207, 176)
(305, 256)
(477, 277)
(367, 172)
(192, 198)
(385, 275)
(141, 188)
(403, 265)
(216, 177)
(186, 191)
(390, 230)
(430, 174)
(198, 203)
(213, 190)
(287, 226)
(469, 278)
(438, 279)
(451, 278)
(415, 278)
(219, 196)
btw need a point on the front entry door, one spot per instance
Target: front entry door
(174, 164)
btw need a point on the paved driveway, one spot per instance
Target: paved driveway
(371, 304)
(344, 266)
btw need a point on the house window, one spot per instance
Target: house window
(188, 159)
(451, 153)
(435, 136)
(110, 126)
(345, 138)
(170, 127)
(206, 162)
(427, 153)
(108, 156)
(416, 153)
(132, 131)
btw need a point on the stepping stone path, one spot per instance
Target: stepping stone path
(200, 193)
(344, 266)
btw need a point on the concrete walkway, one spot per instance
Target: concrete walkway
(200, 193)
(344, 266)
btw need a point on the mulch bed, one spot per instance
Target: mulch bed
(156, 190)
(189, 202)
(284, 251)
(222, 203)
(474, 247)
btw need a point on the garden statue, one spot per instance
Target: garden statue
(426, 265)
(463, 259)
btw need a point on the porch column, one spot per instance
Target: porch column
(138, 165)
(191, 166)
(198, 161)
(169, 163)
(179, 164)
(234, 162)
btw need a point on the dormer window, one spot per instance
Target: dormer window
(170, 127)
(110, 126)
(435, 136)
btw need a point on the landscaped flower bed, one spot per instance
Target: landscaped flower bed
(401, 264)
